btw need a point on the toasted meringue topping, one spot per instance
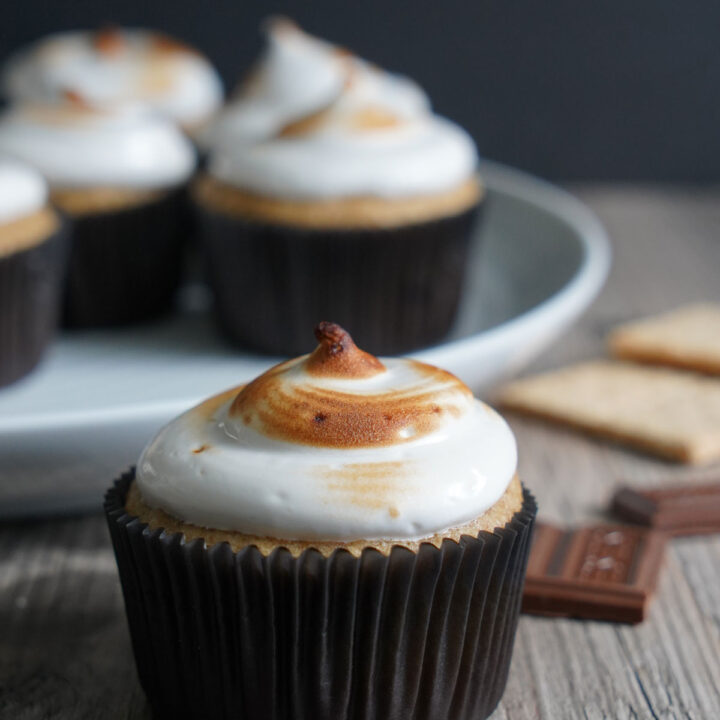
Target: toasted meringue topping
(338, 356)
(76, 144)
(342, 397)
(337, 446)
(114, 66)
(362, 131)
(109, 41)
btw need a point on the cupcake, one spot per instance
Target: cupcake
(343, 537)
(119, 175)
(332, 189)
(32, 253)
(111, 67)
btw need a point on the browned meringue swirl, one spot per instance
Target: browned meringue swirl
(367, 119)
(363, 119)
(310, 413)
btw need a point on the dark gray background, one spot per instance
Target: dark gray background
(569, 89)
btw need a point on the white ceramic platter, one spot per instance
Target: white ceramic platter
(69, 428)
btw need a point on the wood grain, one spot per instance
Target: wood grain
(64, 648)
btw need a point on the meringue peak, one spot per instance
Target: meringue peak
(338, 356)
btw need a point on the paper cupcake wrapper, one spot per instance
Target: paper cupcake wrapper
(125, 265)
(395, 290)
(413, 636)
(30, 298)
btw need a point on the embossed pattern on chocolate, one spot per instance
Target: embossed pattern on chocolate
(605, 572)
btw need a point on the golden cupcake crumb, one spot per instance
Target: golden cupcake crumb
(344, 213)
(27, 232)
(87, 201)
(496, 516)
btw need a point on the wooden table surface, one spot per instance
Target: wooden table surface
(64, 646)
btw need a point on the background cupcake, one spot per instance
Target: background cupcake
(116, 66)
(119, 174)
(32, 253)
(332, 189)
(343, 536)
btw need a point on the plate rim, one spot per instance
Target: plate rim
(567, 302)
(577, 293)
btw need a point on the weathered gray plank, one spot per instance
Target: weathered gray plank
(666, 253)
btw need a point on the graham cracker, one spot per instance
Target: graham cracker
(671, 413)
(687, 338)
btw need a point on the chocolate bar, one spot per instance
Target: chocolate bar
(605, 572)
(680, 510)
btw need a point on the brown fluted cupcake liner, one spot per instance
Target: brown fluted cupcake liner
(125, 265)
(403, 636)
(398, 289)
(30, 299)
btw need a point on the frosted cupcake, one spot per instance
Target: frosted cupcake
(32, 254)
(119, 175)
(112, 67)
(332, 189)
(344, 535)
